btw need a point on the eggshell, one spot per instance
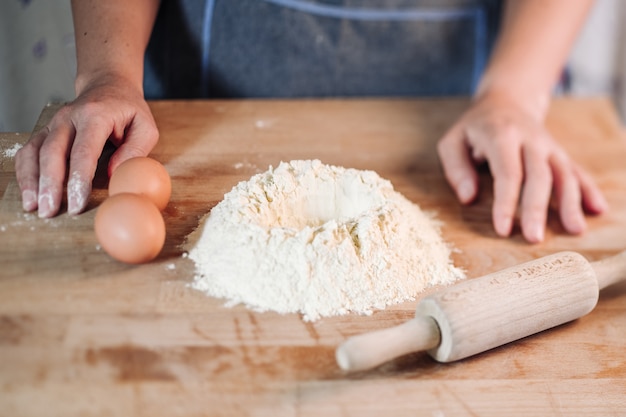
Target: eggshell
(130, 228)
(142, 175)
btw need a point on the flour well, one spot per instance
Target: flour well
(318, 240)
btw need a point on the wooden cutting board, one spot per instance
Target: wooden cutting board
(81, 334)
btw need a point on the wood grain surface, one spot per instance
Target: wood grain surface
(84, 335)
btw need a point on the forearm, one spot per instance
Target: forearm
(530, 53)
(111, 39)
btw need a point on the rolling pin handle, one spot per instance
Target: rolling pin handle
(610, 270)
(369, 350)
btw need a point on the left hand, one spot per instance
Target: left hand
(528, 166)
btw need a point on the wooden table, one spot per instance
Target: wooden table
(83, 335)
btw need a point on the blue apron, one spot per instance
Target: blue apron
(323, 48)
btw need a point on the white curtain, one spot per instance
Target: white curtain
(37, 59)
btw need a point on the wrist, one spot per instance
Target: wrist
(88, 80)
(530, 93)
(532, 101)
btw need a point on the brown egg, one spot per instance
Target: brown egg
(130, 228)
(142, 175)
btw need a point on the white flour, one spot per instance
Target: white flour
(319, 240)
(11, 152)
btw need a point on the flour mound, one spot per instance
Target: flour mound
(318, 240)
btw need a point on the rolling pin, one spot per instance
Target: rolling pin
(482, 313)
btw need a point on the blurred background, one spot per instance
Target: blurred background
(37, 62)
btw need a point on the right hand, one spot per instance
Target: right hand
(107, 109)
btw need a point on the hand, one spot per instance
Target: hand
(106, 109)
(528, 166)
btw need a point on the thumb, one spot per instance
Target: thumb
(140, 139)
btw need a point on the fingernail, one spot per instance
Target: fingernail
(577, 224)
(503, 225)
(77, 191)
(535, 233)
(466, 191)
(45, 205)
(603, 205)
(29, 200)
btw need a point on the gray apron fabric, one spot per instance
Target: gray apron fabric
(325, 48)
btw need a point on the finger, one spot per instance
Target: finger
(593, 199)
(458, 166)
(27, 169)
(568, 195)
(52, 163)
(536, 194)
(141, 137)
(506, 169)
(87, 147)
